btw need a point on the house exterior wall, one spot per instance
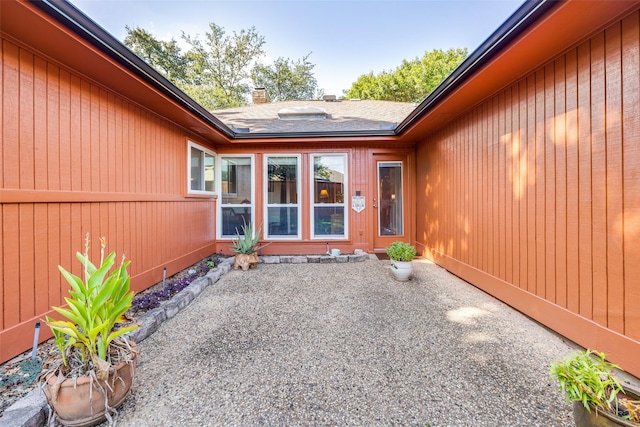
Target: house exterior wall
(77, 158)
(361, 168)
(534, 194)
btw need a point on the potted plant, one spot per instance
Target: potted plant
(598, 397)
(245, 246)
(401, 254)
(96, 363)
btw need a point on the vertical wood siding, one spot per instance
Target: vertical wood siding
(76, 159)
(538, 189)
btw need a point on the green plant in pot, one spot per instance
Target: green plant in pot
(401, 254)
(97, 363)
(245, 246)
(598, 397)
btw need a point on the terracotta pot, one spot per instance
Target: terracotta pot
(246, 261)
(80, 402)
(583, 418)
(401, 270)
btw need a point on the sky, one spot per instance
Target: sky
(345, 38)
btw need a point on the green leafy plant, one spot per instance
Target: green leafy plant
(247, 242)
(95, 305)
(587, 377)
(401, 251)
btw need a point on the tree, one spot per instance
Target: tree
(215, 71)
(286, 80)
(412, 81)
(220, 65)
(165, 57)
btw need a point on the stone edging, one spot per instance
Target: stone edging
(32, 410)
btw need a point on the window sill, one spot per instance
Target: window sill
(201, 196)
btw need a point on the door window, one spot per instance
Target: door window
(390, 207)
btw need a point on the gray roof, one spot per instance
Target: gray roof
(341, 115)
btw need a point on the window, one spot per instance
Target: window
(328, 219)
(282, 217)
(236, 190)
(201, 169)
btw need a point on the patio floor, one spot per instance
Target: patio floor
(346, 344)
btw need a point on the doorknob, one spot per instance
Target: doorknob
(375, 203)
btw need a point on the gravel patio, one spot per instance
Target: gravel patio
(346, 344)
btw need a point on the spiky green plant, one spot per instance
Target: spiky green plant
(587, 377)
(95, 305)
(247, 242)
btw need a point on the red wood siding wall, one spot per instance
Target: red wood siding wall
(534, 195)
(361, 169)
(75, 159)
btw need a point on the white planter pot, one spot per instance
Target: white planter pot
(401, 270)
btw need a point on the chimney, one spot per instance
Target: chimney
(259, 96)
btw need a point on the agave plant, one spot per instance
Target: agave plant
(247, 242)
(95, 305)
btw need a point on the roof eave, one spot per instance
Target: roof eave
(537, 33)
(517, 23)
(78, 22)
(315, 134)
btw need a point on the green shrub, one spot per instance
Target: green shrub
(401, 251)
(586, 377)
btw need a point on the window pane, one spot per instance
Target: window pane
(328, 221)
(328, 177)
(233, 219)
(209, 161)
(196, 169)
(282, 175)
(236, 180)
(283, 221)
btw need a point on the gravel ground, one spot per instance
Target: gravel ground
(346, 344)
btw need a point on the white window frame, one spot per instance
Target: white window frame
(313, 204)
(204, 150)
(267, 205)
(221, 205)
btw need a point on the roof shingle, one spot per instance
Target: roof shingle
(343, 115)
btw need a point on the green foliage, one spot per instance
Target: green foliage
(320, 170)
(247, 242)
(286, 80)
(222, 62)
(586, 377)
(412, 81)
(94, 307)
(401, 251)
(165, 57)
(214, 71)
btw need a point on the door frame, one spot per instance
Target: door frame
(378, 243)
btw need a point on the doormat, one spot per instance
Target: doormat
(382, 256)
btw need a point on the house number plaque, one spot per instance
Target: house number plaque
(357, 203)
